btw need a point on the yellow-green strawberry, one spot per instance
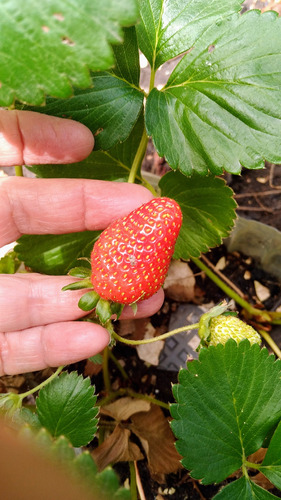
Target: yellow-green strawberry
(223, 328)
(130, 259)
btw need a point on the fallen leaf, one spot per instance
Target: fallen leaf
(124, 408)
(91, 369)
(262, 481)
(116, 448)
(134, 328)
(258, 456)
(150, 352)
(180, 282)
(157, 439)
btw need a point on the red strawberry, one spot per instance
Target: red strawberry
(130, 260)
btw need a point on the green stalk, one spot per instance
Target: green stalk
(129, 392)
(46, 382)
(270, 342)
(150, 399)
(106, 378)
(133, 482)
(253, 311)
(118, 365)
(18, 170)
(138, 158)
(155, 339)
(252, 465)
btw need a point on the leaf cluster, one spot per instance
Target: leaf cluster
(227, 404)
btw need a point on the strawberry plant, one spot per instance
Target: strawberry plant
(219, 111)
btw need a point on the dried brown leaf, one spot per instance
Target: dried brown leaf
(157, 439)
(150, 352)
(180, 282)
(124, 408)
(116, 448)
(91, 369)
(262, 481)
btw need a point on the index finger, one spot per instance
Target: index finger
(29, 138)
(58, 206)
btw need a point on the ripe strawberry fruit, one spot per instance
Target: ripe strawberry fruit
(223, 328)
(130, 259)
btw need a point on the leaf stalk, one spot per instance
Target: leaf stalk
(186, 328)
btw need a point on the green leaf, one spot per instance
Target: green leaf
(271, 466)
(109, 109)
(66, 407)
(103, 310)
(226, 404)
(55, 254)
(221, 107)
(96, 359)
(167, 29)
(80, 272)
(26, 416)
(243, 489)
(208, 211)
(78, 285)
(112, 165)
(88, 301)
(48, 46)
(127, 64)
(9, 264)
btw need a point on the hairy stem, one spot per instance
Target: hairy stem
(18, 171)
(252, 465)
(270, 342)
(139, 157)
(129, 392)
(155, 339)
(253, 311)
(133, 482)
(45, 382)
(106, 377)
(118, 365)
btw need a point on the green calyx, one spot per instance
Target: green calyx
(204, 330)
(104, 309)
(219, 325)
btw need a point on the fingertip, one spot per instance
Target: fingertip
(145, 308)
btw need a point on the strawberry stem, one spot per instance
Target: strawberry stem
(105, 370)
(45, 382)
(253, 311)
(138, 157)
(18, 170)
(270, 342)
(155, 339)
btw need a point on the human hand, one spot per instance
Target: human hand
(37, 320)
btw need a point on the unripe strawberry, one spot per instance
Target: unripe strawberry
(223, 328)
(130, 260)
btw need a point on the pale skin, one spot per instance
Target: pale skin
(37, 320)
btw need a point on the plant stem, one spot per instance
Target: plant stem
(129, 392)
(150, 399)
(46, 382)
(152, 79)
(18, 170)
(118, 365)
(253, 311)
(252, 465)
(139, 157)
(106, 378)
(155, 339)
(270, 342)
(133, 482)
